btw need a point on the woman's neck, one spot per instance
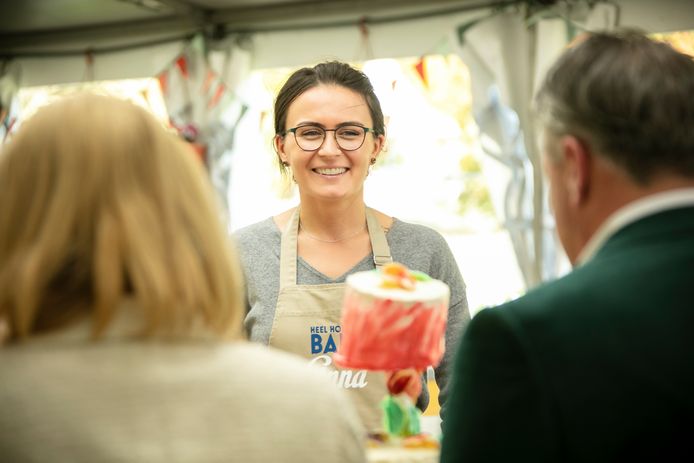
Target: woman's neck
(332, 221)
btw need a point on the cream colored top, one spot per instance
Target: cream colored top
(63, 399)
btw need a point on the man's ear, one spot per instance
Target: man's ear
(577, 174)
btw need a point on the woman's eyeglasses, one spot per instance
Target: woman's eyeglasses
(311, 137)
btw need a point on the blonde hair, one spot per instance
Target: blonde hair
(99, 204)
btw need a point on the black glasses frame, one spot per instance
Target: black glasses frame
(334, 131)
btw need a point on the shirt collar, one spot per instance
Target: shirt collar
(632, 212)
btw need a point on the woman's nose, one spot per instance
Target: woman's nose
(330, 146)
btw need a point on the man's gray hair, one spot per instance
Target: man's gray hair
(628, 97)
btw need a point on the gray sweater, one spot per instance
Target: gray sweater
(416, 246)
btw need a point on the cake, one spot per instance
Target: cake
(392, 319)
(417, 449)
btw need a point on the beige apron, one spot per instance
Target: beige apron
(307, 322)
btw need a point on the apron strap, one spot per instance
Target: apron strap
(288, 251)
(288, 247)
(379, 244)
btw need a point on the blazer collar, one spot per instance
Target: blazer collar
(633, 212)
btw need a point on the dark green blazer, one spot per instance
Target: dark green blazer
(595, 366)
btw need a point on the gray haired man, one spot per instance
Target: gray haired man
(598, 365)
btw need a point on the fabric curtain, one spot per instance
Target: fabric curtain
(502, 52)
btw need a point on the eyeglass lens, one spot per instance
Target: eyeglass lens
(348, 137)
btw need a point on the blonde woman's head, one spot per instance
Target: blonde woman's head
(100, 204)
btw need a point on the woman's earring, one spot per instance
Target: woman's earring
(371, 163)
(286, 165)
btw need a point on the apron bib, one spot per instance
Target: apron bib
(307, 322)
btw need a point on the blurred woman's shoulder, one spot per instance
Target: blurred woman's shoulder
(411, 233)
(300, 400)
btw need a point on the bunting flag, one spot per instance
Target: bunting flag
(221, 88)
(178, 96)
(163, 78)
(182, 65)
(366, 50)
(209, 78)
(88, 66)
(421, 71)
(200, 152)
(8, 125)
(199, 103)
(194, 94)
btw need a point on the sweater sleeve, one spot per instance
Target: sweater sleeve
(424, 249)
(259, 253)
(443, 266)
(458, 316)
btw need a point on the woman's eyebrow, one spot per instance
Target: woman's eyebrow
(318, 124)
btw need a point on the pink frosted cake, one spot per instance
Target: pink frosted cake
(392, 319)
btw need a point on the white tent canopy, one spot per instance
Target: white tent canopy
(280, 33)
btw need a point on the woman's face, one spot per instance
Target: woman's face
(329, 172)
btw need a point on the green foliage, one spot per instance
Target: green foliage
(475, 194)
(470, 165)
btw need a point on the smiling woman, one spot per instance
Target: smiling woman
(330, 167)
(329, 131)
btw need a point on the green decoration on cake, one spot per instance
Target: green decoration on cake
(400, 416)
